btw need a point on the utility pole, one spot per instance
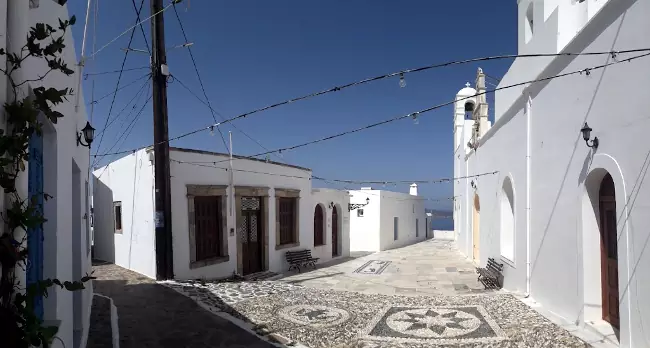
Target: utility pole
(160, 71)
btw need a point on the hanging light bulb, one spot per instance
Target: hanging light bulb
(414, 116)
(212, 130)
(402, 81)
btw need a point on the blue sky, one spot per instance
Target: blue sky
(254, 53)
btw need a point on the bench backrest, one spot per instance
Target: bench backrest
(298, 255)
(494, 266)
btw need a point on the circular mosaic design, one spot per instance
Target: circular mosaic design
(433, 323)
(313, 315)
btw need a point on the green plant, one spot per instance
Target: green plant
(21, 327)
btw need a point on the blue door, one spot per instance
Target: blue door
(35, 235)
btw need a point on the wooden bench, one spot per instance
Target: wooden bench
(491, 275)
(300, 258)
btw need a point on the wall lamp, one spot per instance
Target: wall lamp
(88, 133)
(352, 207)
(586, 135)
(331, 205)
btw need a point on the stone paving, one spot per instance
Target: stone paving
(311, 309)
(152, 315)
(430, 267)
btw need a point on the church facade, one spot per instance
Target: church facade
(567, 211)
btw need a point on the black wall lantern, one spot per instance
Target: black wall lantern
(586, 135)
(352, 207)
(88, 133)
(331, 205)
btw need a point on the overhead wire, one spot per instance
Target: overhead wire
(115, 71)
(117, 116)
(239, 170)
(414, 114)
(232, 124)
(198, 75)
(132, 27)
(144, 36)
(119, 77)
(119, 89)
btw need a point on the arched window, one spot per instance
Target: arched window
(319, 235)
(507, 221)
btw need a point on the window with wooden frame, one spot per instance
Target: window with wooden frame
(208, 228)
(117, 216)
(287, 220)
(319, 226)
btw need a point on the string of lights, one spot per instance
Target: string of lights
(238, 170)
(414, 115)
(132, 27)
(198, 75)
(398, 182)
(232, 124)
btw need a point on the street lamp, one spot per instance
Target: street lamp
(88, 133)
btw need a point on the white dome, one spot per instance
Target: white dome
(467, 91)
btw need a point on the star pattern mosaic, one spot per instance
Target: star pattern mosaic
(314, 315)
(434, 325)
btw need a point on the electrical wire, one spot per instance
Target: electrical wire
(198, 75)
(397, 182)
(586, 71)
(117, 116)
(132, 27)
(119, 89)
(119, 77)
(221, 116)
(144, 36)
(115, 71)
(238, 170)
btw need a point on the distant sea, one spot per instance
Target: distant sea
(446, 224)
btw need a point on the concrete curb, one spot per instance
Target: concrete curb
(114, 322)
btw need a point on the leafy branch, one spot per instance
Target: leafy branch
(22, 327)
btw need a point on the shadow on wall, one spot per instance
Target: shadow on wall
(103, 229)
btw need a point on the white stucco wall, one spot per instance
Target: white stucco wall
(365, 230)
(185, 174)
(128, 180)
(407, 209)
(340, 199)
(564, 247)
(65, 169)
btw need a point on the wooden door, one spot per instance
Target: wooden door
(476, 229)
(335, 232)
(609, 251)
(250, 232)
(207, 222)
(35, 234)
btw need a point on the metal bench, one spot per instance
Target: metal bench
(491, 275)
(300, 258)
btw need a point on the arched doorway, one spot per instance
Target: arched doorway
(335, 232)
(319, 238)
(476, 227)
(608, 250)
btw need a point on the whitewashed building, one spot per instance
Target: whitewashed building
(567, 217)
(382, 220)
(58, 165)
(216, 234)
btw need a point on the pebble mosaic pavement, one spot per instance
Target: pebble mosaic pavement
(316, 316)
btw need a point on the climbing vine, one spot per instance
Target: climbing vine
(21, 326)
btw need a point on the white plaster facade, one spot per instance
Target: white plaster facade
(372, 227)
(129, 181)
(540, 214)
(66, 244)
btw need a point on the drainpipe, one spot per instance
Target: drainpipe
(528, 174)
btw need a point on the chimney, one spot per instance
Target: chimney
(414, 190)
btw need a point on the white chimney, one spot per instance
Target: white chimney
(414, 190)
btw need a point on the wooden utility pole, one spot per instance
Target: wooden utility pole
(163, 219)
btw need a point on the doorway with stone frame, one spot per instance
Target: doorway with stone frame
(252, 225)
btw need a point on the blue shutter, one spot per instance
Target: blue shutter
(35, 235)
